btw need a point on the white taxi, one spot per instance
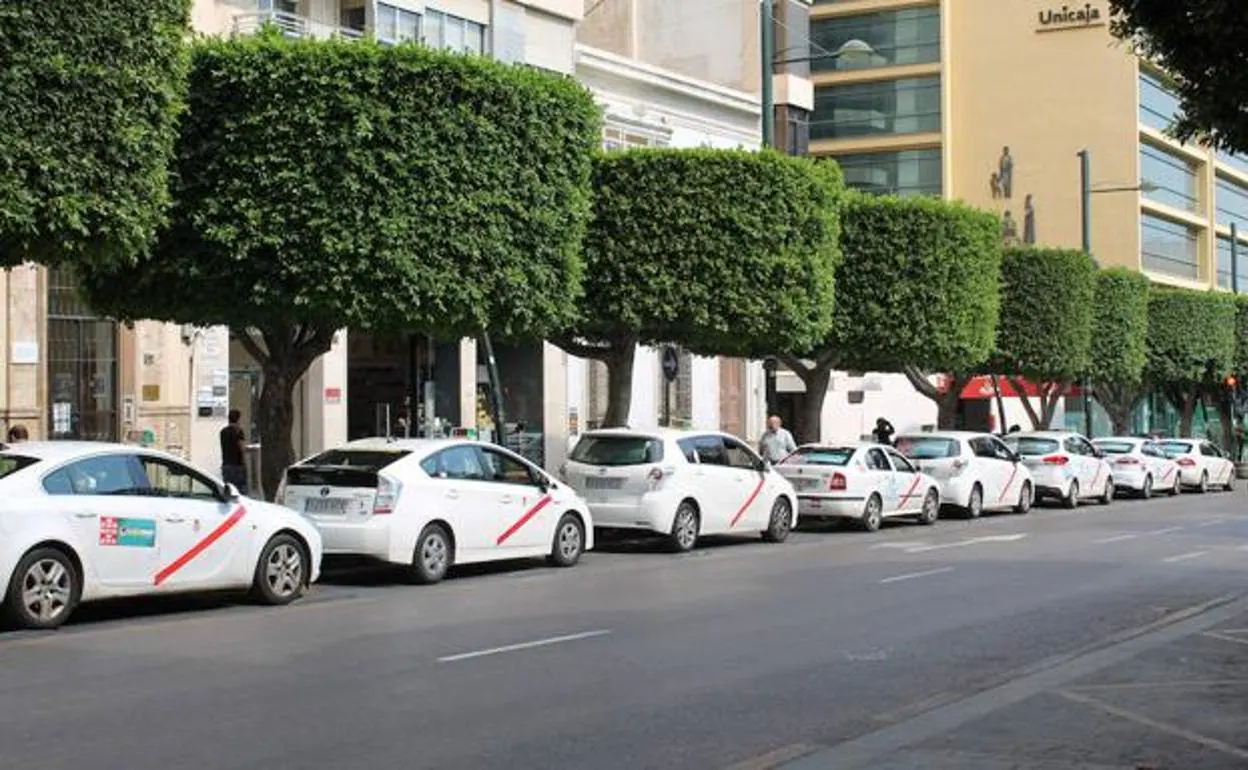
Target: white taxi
(682, 484)
(85, 521)
(976, 471)
(1065, 466)
(1140, 466)
(863, 482)
(429, 504)
(1202, 464)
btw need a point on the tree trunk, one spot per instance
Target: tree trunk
(996, 394)
(816, 382)
(1119, 403)
(1187, 414)
(946, 401)
(1228, 426)
(619, 364)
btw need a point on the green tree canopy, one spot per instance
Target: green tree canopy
(90, 95)
(724, 252)
(331, 184)
(1119, 342)
(1191, 345)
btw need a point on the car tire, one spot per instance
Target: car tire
(685, 526)
(872, 514)
(1107, 496)
(44, 590)
(568, 543)
(1025, 499)
(1146, 490)
(780, 523)
(1177, 488)
(432, 557)
(1229, 486)
(1203, 487)
(1071, 500)
(931, 508)
(281, 573)
(975, 503)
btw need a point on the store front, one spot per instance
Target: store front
(82, 366)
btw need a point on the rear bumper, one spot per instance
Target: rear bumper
(830, 506)
(649, 512)
(956, 491)
(371, 538)
(1127, 477)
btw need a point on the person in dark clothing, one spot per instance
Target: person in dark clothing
(883, 432)
(233, 467)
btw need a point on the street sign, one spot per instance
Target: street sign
(671, 363)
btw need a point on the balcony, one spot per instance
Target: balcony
(291, 25)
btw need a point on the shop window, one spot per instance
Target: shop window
(82, 365)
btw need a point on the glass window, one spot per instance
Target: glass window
(1170, 248)
(434, 23)
(371, 459)
(617, 450)
(905, 173)
(170, 479)
(820, 455)
(1224, 264)
(927, 447)
(1174, 449)
(982, 447)
(1158, 105)
(387, 27)
(885, 39)
(688, 449)
(1208, 450)
(474, 38)
(1173, 177)
(1237, 162)
(82, 365)
(459, 462)
(906, 106)
(506, 469)
(104, 475)
(10, 464)
(710, 450)
(1231, 201)
(408, 26)
(453, 34)
(876, 461)
(1031, 446)
(900, 463)
(739, 455)
(1001, 451)
(1115, 447)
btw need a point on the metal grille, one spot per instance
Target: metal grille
(82, 366)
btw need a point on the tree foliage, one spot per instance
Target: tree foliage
(1191, 336)
(1201, 43)
(1047, 314)
(330, 184)
(1119, 343)
(1240, 363)
(90, 94)
(723, 252)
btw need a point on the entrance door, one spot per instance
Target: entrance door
(82, 366)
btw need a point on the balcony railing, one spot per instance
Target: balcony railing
(291, 25)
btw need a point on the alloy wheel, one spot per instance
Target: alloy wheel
(284, 570)
(47, 590)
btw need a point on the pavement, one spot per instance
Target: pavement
(1106, 637)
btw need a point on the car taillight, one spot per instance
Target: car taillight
(387, 495)
(656, 475)
(1056, 460)
(837, 482)
(1186, 462)
(1127, 461)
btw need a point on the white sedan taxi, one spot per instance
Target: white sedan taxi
(1065, 466)
(976, 471)
(1202, 465)
(863, 482)
(429, 504)
(85, 521)
(1140, 466)
(682, 484)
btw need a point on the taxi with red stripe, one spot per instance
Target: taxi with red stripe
(977, 472)
(86, 521)
(1065, 466)
(429, 504)
(863, 482)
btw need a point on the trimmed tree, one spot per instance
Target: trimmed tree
(1119, 343)
(918, 291)
(1045, 333)
(90, 95)
(332, 184)
(723, 252)
(1191, 346)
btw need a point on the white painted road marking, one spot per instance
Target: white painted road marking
(972, 541)
(1210, 523)
(1115, 539)
(902, 544)
(1185, 556)
(1165, 531)
(913, 575)
(524, 646)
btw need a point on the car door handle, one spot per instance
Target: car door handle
(453, 494)
(86, 515)
(507, 498)
(174, 519)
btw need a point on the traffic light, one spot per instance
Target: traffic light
(1231, 381)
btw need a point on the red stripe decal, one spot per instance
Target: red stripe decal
(1099, 470)
(1008, 483)
(909, 492)
(1163, 478)
(525, 519)
(201, 546)
(748, 503)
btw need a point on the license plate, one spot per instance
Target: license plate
(594, 482)
(325, 505)
(808, 483)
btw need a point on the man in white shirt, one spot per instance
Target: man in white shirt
(777, 443)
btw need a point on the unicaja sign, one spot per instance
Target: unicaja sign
(1067, 17)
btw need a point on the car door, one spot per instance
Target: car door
(1160, 466)
(719, 488)
(752, 508)
(1007, 467)
(1215, 461)
(909, 482)
(1085, 464)
(204, 537)
(988, 468)
(528, 513)
(97, 496)
(460, 489)
(881, 477)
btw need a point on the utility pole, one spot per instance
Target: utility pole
(1085, 215)
(767, 53)
(1234, 259)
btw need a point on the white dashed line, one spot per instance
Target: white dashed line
(523, 646)
(1115, 539)
(1184, 557)
(1210, 523)
(913, 575)
(1165, 531)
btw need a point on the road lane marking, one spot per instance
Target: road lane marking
(1211, 522)
(1114, 539)
(1224, 637)
(1184, 557)
(913, 575)
(1182, 684)
(1165, 531)
(902, 544)
(1162, 727)
(775, 757)
(971, 541)
(524, 646)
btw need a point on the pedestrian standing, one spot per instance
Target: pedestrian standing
(777, 443)
(18, 434)
(883, 433)
(233, 441)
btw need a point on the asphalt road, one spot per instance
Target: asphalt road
(1008, 642)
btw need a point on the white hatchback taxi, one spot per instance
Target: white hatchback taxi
(863, 482)
(429, 504)
(1202, 465)
(1065, 466)
(976, 471)
(85, 521)
(1140, 466)
(682, 484)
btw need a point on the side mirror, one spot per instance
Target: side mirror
(230, 493)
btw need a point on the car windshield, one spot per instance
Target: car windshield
(365, 459)
(1115, 447)
(617, 450)
(10, 464)
(1032, 446)
(927, 447)
(820, 455)
(1175, 448)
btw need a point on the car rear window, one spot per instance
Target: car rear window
(1114, 447)
(1030, 446)
(368, 459)
(343, 467)
(1175, 448)
(617, 450)
(821, 455)
(927, 447)
(10, 464)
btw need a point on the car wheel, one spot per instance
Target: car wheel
(43, 591)
(685, 526)
(975, 504)
(1203, 487)
(1146, 491)
(931, 508)
(1071, 500)
(781, 522)
(1229, 486)
(281, 572)
(872, 514)
(1177, 487)
(432, 557)
(1107, 496)
(1025, 499)
(569, 542)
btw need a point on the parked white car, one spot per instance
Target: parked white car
(429, 504)
(863, 482)
(682, 484)
(976, 471)
(1140, 466)
(1065, 466)
(86, 521)
(1202, 465)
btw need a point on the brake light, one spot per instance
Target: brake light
(838, 482)
(1186, 462)
(1127, 461)
(387, 495)
(1056, 460)
(656, 475)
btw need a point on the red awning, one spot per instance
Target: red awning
(980, 388)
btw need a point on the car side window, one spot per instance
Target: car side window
(460, 463)
(901, 463)
(689, 449)
(505, 469)
(103, 475)
(876, 461)
(710, 450)
(166, 478)
(1209, 450)
(1074, 446)
(739, 455)
(982, 447)
(1001, 451)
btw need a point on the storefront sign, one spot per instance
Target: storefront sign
(1067, 17)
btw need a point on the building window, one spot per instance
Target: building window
(396, 25)
(885, 39)
(443, 30)
(904, 173)
(1224, 264)
(82, 366)
(1173, 177)
(1158, 105)
(906, 106)
(618, 138)
(1170, 248)
(1231, 202)
(1237, 162)
(797, 132)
